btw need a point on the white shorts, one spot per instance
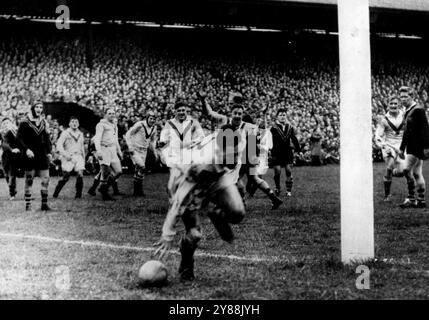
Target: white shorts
(139, 158)
(77, 163)
(109, 156)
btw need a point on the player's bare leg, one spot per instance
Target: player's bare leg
(420, 184)
(387, 179)
(410, 162)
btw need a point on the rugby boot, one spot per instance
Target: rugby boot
(276, 201)
(409, 203)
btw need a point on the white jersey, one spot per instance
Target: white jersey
(71, 143)
(178, 137)
(140, 136)
(390, 130)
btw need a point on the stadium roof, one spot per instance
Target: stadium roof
(415, 5)
(410, 17)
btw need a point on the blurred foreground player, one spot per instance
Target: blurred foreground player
(71, 147)
(247, 148)
(200, 184)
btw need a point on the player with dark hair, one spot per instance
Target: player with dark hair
(248, 149)
(11, 156)
(71, 148)
(415, 146)
(214, 182)
(140, 138)
(388, 136)
(282, 152)
(36, 146)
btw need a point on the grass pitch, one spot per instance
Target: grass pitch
(90, 249)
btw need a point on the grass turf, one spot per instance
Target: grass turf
(300, 243)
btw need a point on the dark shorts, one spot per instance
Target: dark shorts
(281, 160)
(39, 162)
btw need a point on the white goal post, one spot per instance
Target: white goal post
(356, 173)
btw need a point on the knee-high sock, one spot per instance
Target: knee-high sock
(277, 179)
(79, 185)
(411, 183)
(387, 179)
(27, 190)
(289, 181)
(421, 187)
(44, 190)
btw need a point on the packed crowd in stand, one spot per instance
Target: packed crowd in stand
(135, 74)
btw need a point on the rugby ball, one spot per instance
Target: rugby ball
(153, 273)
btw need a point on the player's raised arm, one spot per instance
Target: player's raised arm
(207, 109)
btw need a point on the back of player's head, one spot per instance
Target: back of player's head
(281, 110)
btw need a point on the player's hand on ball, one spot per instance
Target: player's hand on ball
(29, 153)
(163, 246)
(16, 150)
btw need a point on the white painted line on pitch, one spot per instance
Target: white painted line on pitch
(134, 248)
